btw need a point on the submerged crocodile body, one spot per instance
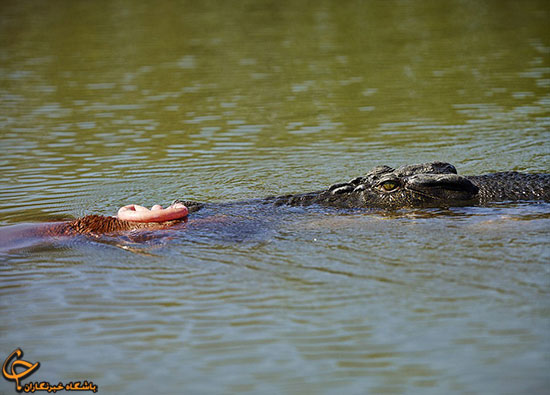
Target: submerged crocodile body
(434, 184)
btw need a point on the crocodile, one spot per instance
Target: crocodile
(433, 184)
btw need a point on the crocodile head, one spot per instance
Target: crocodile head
(434, 184)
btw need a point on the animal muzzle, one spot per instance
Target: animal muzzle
(447, 187)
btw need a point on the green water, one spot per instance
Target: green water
(107, 103)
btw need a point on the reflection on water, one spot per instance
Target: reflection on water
(111, 102)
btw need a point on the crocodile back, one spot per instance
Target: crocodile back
(511, 185)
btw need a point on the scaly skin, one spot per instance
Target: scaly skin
(511, 186)
(434, 184)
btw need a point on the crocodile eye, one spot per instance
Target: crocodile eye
(388, 186)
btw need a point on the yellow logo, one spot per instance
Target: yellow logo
(13, 375)
(10, 373)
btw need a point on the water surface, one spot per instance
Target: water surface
(107, 103)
